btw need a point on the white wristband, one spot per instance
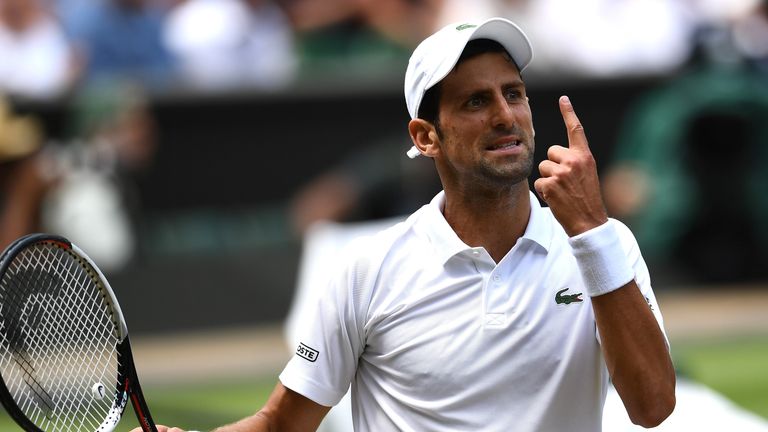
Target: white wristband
(601, 259)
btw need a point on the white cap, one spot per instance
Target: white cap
(436, 56)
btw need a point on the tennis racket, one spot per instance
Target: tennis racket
(65, 357)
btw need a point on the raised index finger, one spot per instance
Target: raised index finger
(576, 138)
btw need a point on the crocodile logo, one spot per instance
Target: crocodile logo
(566, 299)
(465, 26)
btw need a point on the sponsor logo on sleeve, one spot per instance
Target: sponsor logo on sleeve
(307, 353)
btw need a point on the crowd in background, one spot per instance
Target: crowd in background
(69, 51)
(49, 47)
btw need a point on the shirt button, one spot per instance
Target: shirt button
(475, 252)
(496, 278)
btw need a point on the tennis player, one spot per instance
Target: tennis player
(484, 311)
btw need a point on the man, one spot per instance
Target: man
(484, 311)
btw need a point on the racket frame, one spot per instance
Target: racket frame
(127, 383)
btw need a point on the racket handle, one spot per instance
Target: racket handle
(140, 407)
(138, 402)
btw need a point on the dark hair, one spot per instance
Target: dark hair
(429, 109)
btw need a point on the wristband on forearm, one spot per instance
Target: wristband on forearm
(601, 259)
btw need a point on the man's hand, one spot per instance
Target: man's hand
(285, 410)
(161, 428)
(569, 183)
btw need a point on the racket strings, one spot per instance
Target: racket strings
(38, 302)
(65, 343)
(22, 357)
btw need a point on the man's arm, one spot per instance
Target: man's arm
(636, 354)
(285, 411)
(634, 346)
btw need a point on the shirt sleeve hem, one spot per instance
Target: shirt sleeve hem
(310, 389)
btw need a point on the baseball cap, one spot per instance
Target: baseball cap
(436, 56)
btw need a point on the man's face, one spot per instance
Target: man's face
(487, 129)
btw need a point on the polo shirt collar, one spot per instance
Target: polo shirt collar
(447, 244)
(539, 229)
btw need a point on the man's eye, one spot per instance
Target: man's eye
(512, 95)
(475, 102)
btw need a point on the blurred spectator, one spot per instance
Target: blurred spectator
(612, 37)
(370, 34)
(117, 123)
(740, 36)
(122, 39)
(406, 22)
(22, 178)
(227, 43)
(36, 60)
(460, 10)
(688, 177)
(376, 182)
(72, 13)
(94, 202)
(597, 38)
(750, 35)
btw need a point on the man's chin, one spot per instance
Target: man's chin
(510, 173)
(508, 177)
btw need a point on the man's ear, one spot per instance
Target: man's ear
(424, 137)
(528, 100)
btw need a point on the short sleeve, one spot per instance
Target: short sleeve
(330, 339)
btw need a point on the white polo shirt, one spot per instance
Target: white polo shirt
(433, 335)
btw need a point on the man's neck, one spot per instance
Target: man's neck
(494, 220)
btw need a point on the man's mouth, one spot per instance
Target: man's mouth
(503, 144)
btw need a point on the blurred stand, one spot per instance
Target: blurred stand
(358, 36)
(122, 39)
(36, 59)
(376, 181)
(80, 188)
(613, 38)
(750, 36)
(95, 203)
(604, 38)
(189, 45)
(594, 38)
(229, 44)
(687, 174)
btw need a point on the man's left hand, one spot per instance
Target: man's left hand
(569, 182)
(161, 428)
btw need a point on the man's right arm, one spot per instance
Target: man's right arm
(285, 411)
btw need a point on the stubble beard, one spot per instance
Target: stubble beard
(502, 176)
(510, 173)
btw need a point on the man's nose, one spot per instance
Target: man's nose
(502, 113)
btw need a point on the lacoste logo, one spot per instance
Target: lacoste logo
(465, 26)
(561, 298)
(307, 353)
